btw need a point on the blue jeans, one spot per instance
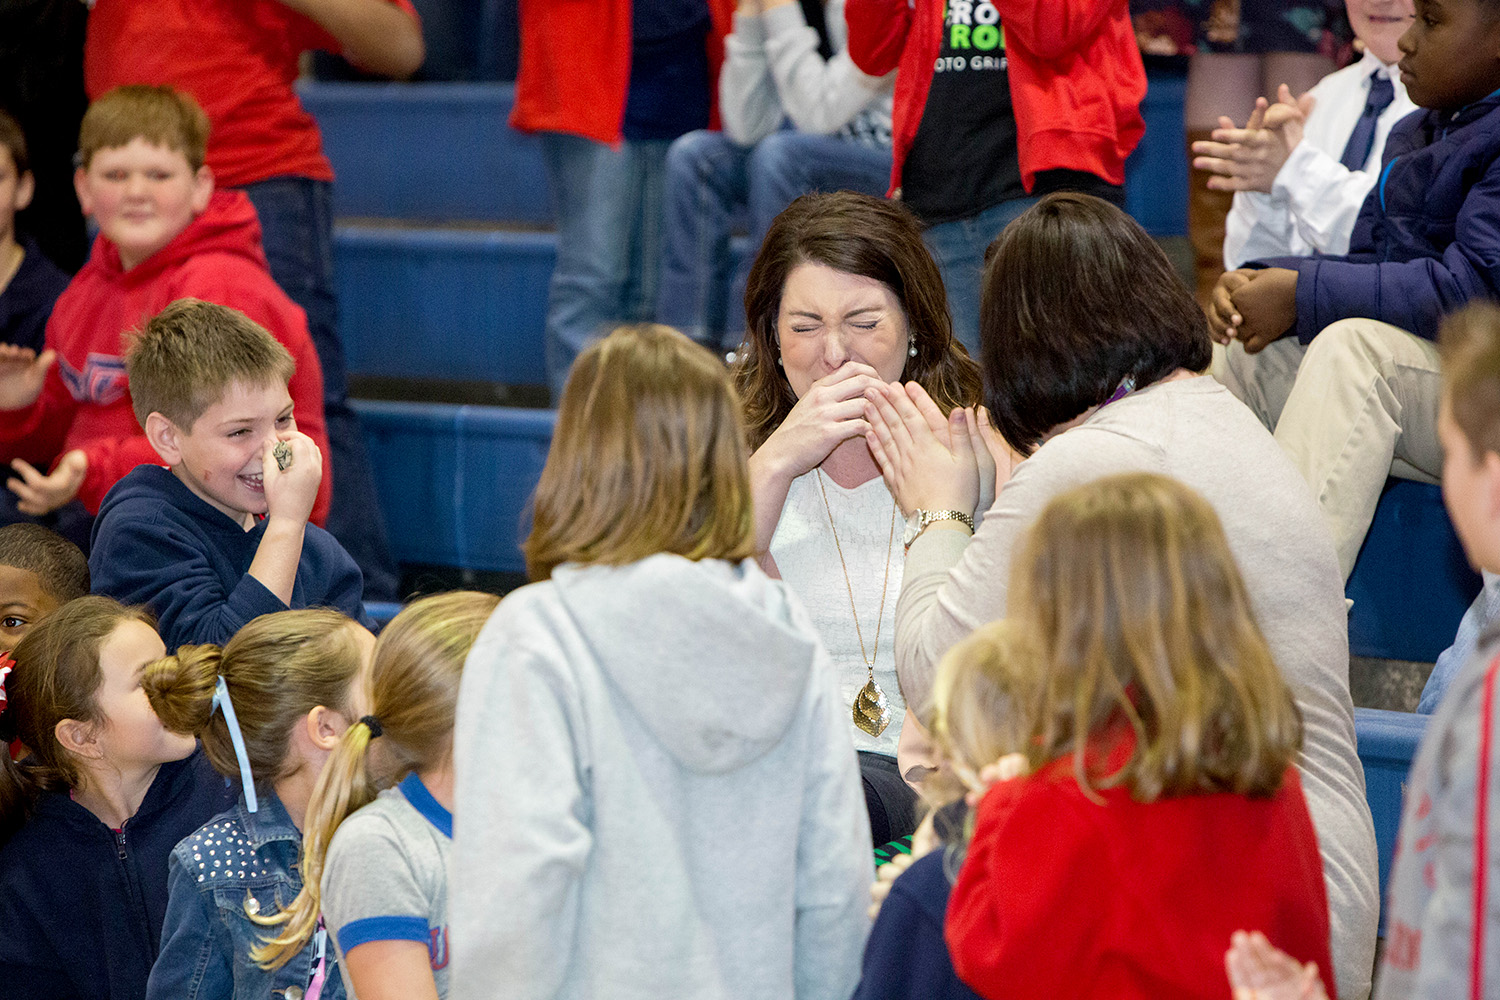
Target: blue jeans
(608, 207)
(296, 221)
(958, 247)
(709, 179)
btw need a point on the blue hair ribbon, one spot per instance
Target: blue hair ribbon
(223, 704)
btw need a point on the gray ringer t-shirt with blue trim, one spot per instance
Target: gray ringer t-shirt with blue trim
(386, 877)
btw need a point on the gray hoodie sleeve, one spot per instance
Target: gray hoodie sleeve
(835, 863)
(518, 853)
(772, 69)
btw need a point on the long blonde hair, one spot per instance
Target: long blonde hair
(277, 668)
(1136, 612)
(648, 456)
(419, 659)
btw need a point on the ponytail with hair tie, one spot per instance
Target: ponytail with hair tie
(373, 725)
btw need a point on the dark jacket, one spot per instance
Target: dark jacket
(81, 905)
(237, 859)
(1428, 237)
(158, 543)
(906, 957)
(26, 303)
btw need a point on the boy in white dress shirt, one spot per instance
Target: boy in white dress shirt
(1301, 167)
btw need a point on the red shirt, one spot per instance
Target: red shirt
(575, 65)
(1060, 896)
(238, 58)
(85, 401)
(1076, 77)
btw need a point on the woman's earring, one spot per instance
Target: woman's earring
(912, 352)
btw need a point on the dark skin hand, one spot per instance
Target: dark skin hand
(1223, 318)
(1267, 307)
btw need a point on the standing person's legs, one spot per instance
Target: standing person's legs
(705, 182)
(646, 177)
(786, 165)
(595, 213)
(1364, 407)
(296, 221)
(958, 247)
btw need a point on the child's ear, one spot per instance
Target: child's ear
(81, 188)
(203, 189)
(165, 437)
(325, 726)
(78, 738)
(25, 188)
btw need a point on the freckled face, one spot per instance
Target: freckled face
(221, 453)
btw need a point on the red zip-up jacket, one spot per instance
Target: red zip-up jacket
(85, 401)
(1076, 77)
(575, 65)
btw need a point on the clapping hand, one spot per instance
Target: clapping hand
(929, 461)
(1249, 158)
(22, 372)
(41, 493)
(1258, 970)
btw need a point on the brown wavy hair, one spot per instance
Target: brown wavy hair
(1137, 615)
(856, 234)
(648, 456)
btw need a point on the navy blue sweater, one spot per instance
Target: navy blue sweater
(81, 905)
(906, 957)
(1427, 239)
(156, 542)
(26, 303)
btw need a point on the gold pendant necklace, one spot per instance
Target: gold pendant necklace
(872, 713)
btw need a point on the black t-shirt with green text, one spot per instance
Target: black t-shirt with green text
(963, 159)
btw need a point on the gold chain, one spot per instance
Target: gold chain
(869, 660)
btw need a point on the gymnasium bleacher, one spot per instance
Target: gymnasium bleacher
(443, 254)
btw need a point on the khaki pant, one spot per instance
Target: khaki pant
(1358, 404)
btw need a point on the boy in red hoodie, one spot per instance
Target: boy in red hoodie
(164, 234)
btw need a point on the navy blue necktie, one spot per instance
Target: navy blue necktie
(1357, 151)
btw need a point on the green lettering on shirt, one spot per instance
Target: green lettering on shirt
(960, 38)
(986, 37)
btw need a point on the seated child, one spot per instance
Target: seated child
(377, 864)
(1301, 168)
(1159, 745)
(222, 535)
(1352, 397)
(164, 234)
(784, 62)
(40, 571)
(29, 282)
(1446, 865)
(270, 708)
(93, 813)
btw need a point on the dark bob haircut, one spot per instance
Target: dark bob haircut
(1075, 298)
(856, 234)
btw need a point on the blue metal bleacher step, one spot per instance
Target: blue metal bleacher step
(1411, 583)
(442, 152)
(1387, 745)
(443, 303)
(429, 152)
(455, 482)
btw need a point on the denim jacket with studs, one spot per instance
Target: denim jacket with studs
(237, 865)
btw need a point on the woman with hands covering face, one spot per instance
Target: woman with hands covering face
(843, 298)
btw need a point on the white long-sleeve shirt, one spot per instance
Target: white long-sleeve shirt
(1315, 199)
(772, 71)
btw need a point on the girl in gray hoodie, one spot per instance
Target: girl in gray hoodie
(655, 794)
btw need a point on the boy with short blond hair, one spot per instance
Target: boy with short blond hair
(222, 535)
(165, 234)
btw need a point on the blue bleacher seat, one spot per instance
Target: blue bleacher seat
(455, 482)
(381, 612)
(444, 303)
(1412, 582)
(1387, 744)
(434, 152)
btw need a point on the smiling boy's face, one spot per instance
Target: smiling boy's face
(23, 603)
(1450, 56)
